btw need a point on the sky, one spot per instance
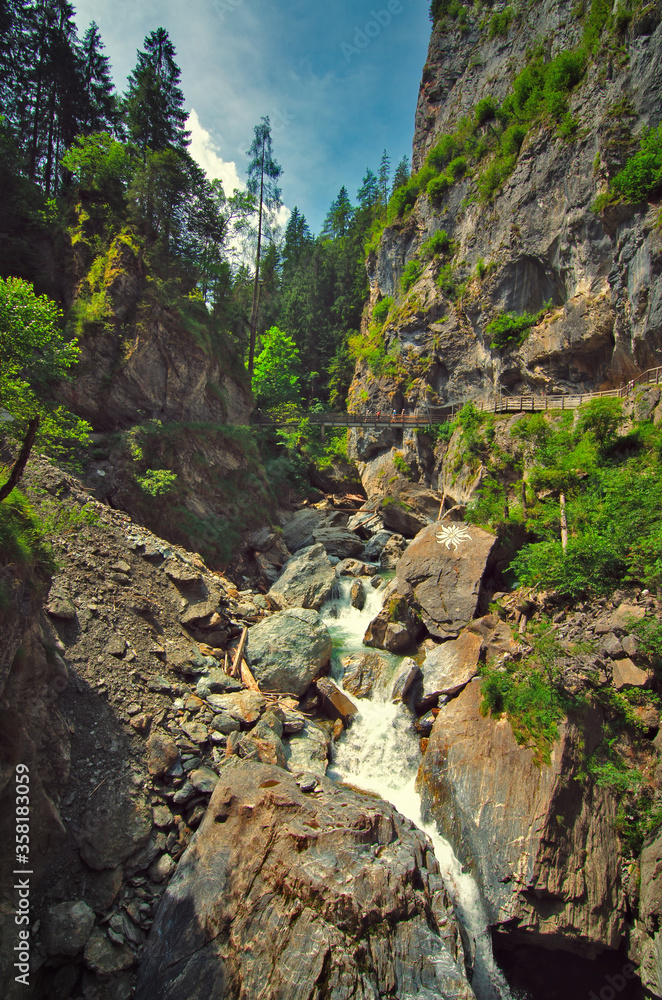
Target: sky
(338, 79)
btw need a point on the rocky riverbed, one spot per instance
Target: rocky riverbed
(186, 835)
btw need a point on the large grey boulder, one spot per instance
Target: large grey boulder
(339, 542)
(306, 581)
(448, 668)
(444, 566)
(287, 651)
(281, 892)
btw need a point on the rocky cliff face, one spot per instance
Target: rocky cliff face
(535, 240)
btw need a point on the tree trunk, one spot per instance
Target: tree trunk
(251, 353)
(564, 523)
(22, 459)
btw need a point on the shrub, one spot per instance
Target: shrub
(485, 110)
(437, 244)
(411, 274)
(157, 482)
(457, 167)
(497, 172)
(642, 174)
(443, 152)
(381, 310)
(447, 281)
(509, 330)
(401, 464)
(500, 23)
(438, 187)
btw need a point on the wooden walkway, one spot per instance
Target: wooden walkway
(501, 402)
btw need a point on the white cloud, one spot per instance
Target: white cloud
(205, 152)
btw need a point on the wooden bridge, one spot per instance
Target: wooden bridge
(499, 402)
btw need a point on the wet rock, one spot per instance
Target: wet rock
(354, 567)
(357, 595)
(66, 927)
(262, 839)
(113, 826)
(445, 576)
(364, 673)
(405, 677)
(306, 580)
(502, 809)
(162, 754)
(375, 546)
(308, 750)
(397, 627)
(626, 674)
(448, 668)
(334, 702)
(339, 542)
(104, 957)
(287, 651)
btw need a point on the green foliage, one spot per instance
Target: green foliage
(500, 23)
(157, 482)
(411, 274)
(509, 330)
(599, 18)
(402, 465)
(641, 176)
(613, 500)
(530, 693)
(447, 281)
(276, 374)
(381, 310)
(23, 542)
(439, 243)
(649, 637)
(485, 110)
(33, 356)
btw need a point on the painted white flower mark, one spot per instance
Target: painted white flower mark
(453, 534)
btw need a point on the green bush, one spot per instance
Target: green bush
(444, 151)
(381, 310)
(438, 187)
(401, 464)
(411, 274)
(485, 110)
(440, 243)
(157, 482)
(509, 330)
(23, 541)
(447, 281)
(642, 174)
(500, 23)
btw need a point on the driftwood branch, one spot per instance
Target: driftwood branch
(22, 459)
(236, 663)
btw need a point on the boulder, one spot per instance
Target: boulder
(448, 668)
(538, 838)
(397, 626)
(306, 581)
(244, 706)
(339, 542)
(282, 891)
(298, 528)
(445, 574)
(392, 552)
(104, 957)
(334, 702)
(307, 749)
(364, 673)
(400, 516)
(217, 682)
(626, 674)
(357, 595)
(404, 679)
(376, 545)
(66, 927)
(113, 826)
(354, 567)
(287, 651)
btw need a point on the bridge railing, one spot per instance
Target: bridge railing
(500, 402)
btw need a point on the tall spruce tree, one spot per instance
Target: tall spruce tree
(401, 175)
(154, 103)
(339, 216)
(263, 174)
(99, 110)
(384, 177)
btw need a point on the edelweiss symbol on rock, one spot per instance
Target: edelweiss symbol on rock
(453, 534)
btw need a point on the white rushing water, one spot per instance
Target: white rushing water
(380, 753)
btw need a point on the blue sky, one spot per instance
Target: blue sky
(339, 81)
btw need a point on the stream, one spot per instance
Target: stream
(380, 753)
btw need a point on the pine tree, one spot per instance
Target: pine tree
(339, 216)
(368, 193)
(384, 177)
(401, 175)
(99, 111)
(298, 241)
(263, 173)
(154, 102)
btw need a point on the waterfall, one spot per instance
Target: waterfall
(380, 753)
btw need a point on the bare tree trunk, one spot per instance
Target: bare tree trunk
(256, 283)
(22, 459)
(564, 523)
